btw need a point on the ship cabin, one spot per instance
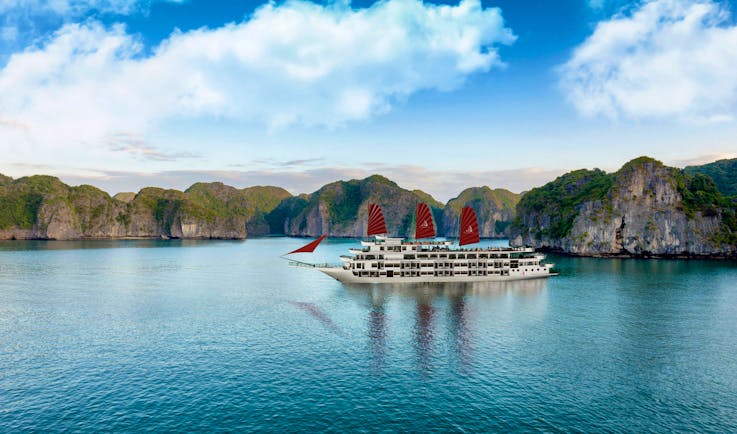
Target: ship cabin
(395, 257)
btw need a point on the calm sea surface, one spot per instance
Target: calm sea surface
(205, 336)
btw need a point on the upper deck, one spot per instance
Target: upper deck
(400, 245)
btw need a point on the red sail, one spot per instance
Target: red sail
(308, 248)
(469, 227)
(376, 224)
(424, 228)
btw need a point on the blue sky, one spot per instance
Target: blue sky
(440, 96)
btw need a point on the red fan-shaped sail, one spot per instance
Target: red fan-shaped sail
(424, 227)
(376, 224)
(308, 248)
(469, 227)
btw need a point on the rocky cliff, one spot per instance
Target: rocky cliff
(43, 207)
(644, 209)
(495, 210)
(340, 209)
(261, 201)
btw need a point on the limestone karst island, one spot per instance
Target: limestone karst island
(643, 209)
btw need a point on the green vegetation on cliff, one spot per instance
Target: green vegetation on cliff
(559, 200)
(163, 204)
(501, 197)
(700, 194)
(288, 208)
(44, 207)
(549, 212)
(125, 197)
(20, 200)
(214, 200)
(90, 204)
(723, 172)
(428, 199)
(495, 210)
(342, 199)
(262, 200)
(336, 208)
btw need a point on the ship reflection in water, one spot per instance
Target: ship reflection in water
(457, 310)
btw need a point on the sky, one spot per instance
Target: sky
(440, 96)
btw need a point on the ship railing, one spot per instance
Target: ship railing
(310, 265)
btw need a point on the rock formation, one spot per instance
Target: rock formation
(644, 209)
(495, 210)
(43, 207)
(340, 209)
(261, 200)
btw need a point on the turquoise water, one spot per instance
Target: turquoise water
(203, 336)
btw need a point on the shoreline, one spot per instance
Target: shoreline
(681, 256)
(556, 251)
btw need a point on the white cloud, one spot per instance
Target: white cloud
(700, 159)
(297, 63)
(665, 59)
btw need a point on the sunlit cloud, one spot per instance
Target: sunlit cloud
(295, 63)
(135, 145)
(666, 59)
(700, 159)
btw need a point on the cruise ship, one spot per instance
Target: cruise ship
(384, 259)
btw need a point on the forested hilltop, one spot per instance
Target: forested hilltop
(43, 207)
(723, 172)
(643, 209)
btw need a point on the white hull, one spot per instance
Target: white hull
(347, 276)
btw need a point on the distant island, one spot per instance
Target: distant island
(643, 209)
